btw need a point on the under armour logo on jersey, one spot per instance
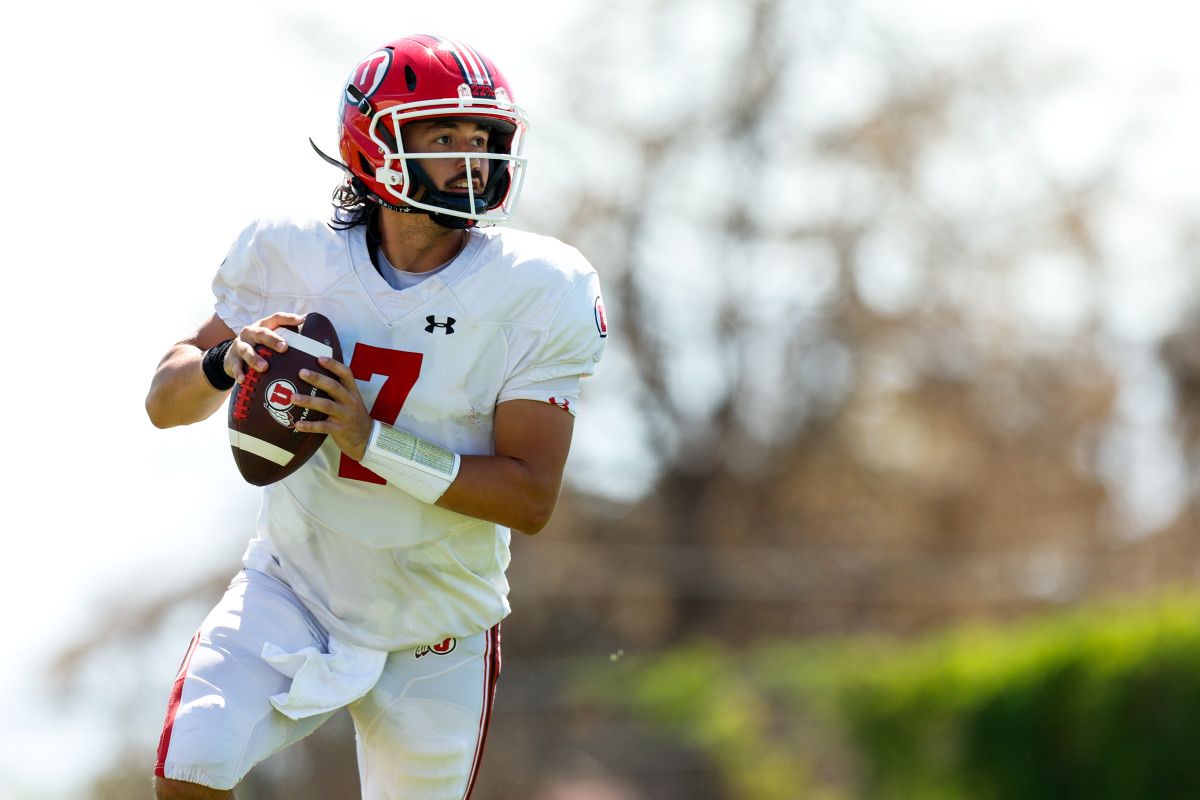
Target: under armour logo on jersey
(562, 402)
(447, 326)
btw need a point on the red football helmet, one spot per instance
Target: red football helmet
(419, 77)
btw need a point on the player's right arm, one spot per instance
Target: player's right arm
(180, 394)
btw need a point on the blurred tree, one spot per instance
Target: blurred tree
(859, 374)
(858, 335)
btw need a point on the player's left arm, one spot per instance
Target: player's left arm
(519, 485)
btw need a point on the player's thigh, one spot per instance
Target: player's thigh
(422, 728)
(220, 721)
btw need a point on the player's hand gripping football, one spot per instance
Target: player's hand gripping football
(348, 421)
(244, 350)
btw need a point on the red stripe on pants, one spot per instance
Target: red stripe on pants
(173, 707)
(491, 677)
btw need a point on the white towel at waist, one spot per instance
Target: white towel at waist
(323, 682)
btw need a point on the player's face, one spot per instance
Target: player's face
(450, 136)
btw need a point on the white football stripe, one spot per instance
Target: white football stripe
(305, 344)
(259, 448)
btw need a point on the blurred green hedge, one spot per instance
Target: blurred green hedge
(1098, 703)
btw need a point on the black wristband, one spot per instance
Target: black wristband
(213, 364)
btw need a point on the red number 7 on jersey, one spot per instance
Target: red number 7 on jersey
(401, 369)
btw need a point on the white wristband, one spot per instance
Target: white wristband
(423, 469)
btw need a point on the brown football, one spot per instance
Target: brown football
(262, 418)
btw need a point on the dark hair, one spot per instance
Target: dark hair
(352, 207)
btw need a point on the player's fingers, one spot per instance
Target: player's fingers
(346, 376)
(309, 426)
(344, 391)
(279, 319)
(331, 387)
(244, 352)
(264, 331)
(335, 423)
(260, 334)
(350, 433)
(328, 407)
(236, 360)
(337, 410)
(337, 368)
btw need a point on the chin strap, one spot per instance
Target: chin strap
(330, 159)
(357, 185)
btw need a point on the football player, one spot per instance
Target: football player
(376, 576)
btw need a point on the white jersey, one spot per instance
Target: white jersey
(514, 316)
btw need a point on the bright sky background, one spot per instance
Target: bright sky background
(138, 138)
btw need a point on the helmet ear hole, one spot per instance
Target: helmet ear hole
(365, 165)
(410, 78)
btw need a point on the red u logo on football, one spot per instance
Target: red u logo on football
(279, 394)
